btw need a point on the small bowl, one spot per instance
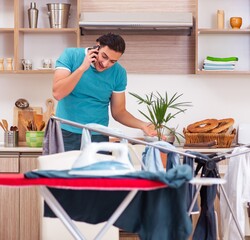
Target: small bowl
(34, 138)
(236, 22)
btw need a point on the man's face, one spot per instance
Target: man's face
(106, 58)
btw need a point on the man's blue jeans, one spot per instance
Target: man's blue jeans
(72, 141)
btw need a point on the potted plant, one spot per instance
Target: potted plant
(161, 109)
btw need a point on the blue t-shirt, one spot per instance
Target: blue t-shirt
(89, 101)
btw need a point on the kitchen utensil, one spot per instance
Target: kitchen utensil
(24, 122)
(2, 126)
(58, 14)
(41, 126)
(38, 119)
(11, 138)
(5, 124)
(33, 15)
(50, 104)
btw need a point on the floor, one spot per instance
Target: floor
(128, 236)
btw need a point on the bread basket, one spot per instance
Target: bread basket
(223, 140)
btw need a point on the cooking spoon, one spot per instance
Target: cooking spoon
(5, 124)
(2, 126)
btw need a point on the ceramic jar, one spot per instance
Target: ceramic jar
(236, 22)
(220, 19)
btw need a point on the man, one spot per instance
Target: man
(86, 82)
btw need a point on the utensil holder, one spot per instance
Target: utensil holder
(11, 138)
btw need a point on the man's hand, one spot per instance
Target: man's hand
(91, 57)
(150, 130)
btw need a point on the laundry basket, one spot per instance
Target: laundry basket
(58, 14)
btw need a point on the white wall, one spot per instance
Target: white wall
(214, 96)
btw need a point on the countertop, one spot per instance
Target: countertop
(20, 149)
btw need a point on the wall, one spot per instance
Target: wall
(212, 96)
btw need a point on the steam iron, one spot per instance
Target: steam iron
(92, 163)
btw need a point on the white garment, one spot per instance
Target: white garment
(237, 189)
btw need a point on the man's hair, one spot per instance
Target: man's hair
(113, 41)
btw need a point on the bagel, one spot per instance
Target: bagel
(224, 124)
(203, 126)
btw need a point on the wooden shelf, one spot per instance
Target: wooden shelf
(223, 31)
(27, 71)
(7, 30)
(211, 72)
(48, 30)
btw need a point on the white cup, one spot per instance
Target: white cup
(47, 63)
(27, 64)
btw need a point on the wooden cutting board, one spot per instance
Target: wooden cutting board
(27, 114)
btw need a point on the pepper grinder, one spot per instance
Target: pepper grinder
(33, 15)
(220, 19)
(1, 64)
(9, 64)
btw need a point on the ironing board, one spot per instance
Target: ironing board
(132, 186)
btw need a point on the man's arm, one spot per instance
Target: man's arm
(64, 81)
(120, 114)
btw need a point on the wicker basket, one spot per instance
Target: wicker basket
(224, 140)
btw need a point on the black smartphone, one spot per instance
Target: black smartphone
(95, 47)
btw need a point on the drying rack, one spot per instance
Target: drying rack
(208, 165)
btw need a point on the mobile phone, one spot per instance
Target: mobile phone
(97, 47)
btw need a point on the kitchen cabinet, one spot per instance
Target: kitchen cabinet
(9, 200)
(227, 42)
(19, 207)
(21, 42)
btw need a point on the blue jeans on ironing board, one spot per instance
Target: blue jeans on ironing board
(72, 141)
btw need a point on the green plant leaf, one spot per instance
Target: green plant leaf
(161, 109)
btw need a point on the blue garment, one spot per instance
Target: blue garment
(89, 100)
(206, 226)
(151, 157)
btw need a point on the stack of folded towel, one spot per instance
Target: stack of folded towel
(219, 64)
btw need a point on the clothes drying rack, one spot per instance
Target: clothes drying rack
(208, 165)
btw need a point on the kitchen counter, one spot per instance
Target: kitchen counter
(20, 149)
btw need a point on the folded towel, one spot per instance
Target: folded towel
(219, 65)
(226, 59)
(219, 62)
(218, 68)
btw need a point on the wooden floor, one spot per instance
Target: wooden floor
(128, 236)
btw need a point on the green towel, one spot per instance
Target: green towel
(227, 59)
